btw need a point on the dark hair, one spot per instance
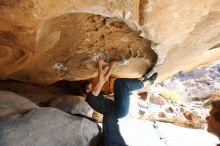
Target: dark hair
(217, 116)
(216, 104)
(83, 86)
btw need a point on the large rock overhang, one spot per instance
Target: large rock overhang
(184, 35)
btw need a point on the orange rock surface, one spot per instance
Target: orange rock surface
(46, 41)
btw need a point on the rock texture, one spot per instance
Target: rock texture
(72, 104)
(184, 99)
(69, 44)
(11, 103)
(191, 115)
(48, 127)
(198, 83)
(42, 42)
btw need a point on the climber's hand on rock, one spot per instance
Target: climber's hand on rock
(100, 60)
(112, 64)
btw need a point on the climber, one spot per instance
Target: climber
(113, 110)
(214, 118)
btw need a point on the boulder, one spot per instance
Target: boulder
(46, 127)
(11, 103)
(157, 100)
(72, 104)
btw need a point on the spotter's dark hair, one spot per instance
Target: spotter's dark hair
(216, 104)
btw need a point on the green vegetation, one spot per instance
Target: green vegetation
(171, 95)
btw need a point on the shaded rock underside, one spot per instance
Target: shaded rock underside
(68, 47)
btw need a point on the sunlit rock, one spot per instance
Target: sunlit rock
(43, 42)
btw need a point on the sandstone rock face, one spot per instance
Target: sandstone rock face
(69, 45)
(45, 41)
(11, 103)
(46, 127)
(72, 104)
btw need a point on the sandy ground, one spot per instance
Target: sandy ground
(147, 133)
